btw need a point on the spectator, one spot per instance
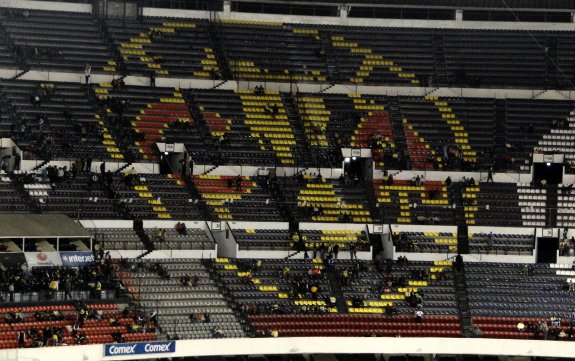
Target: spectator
(544, 329)
(152, 78)
(11, 289)
(67, 288)
(520, 327)
(353, 250)
(21, 339)
(419, 315)
(87, 73)
(53, 288)
(217, 332)
(477, 332)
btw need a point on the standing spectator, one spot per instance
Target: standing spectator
(67, 288)
(87, 73)
(353, 250)
(98, 289)
(544, 329)
(21, 339)
(490, 175)
(103, 169)
(238, 183)
(335, 251)
(153, 78)
(11, 289)
(53, 288)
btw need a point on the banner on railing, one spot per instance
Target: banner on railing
(77, 259)
(139, 348)
(43, 259)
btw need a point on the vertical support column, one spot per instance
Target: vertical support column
(458, 15)
(343, 11)
(227, 8)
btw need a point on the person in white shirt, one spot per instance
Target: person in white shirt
(87, 73)
(419, 315)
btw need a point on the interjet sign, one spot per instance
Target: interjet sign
(139, 348)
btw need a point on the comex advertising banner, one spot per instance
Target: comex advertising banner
(43, 259)
(139, 348)
(77, 259)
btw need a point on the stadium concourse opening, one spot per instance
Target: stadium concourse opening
(372, 181)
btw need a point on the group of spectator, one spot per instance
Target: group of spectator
(552, 331)
(187, 280)
(50, 280)
(53, 334)
(235, 182)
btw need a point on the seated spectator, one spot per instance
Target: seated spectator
(21, 336)
(185, 280)
(134, 328)
(259, 90)
(117, 336)
(80, 338)
(418, 315)
(286, 272)
(194, 280)
(19, 317)
(10, 318)
(477, 332)
(217, 332)
(180, 227)
(520, 327)
(113, 322)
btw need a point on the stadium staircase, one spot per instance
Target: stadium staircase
(397, 124)
(195, 194)
(200, 125)
(374, 208)
(122, 168)
(109, 136)
(21, 74)
(24, 194)
(457, 190)
(148, 243)
(462, 238)
(551, 206)
(41, 165)
(331, 57)
(219, 51)
(116, 64)
(303, 153)
(336, 290)
(460, 133)
(500, 134)
(552, 72)
(460, 283)
(440, 78)
(217, 278)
